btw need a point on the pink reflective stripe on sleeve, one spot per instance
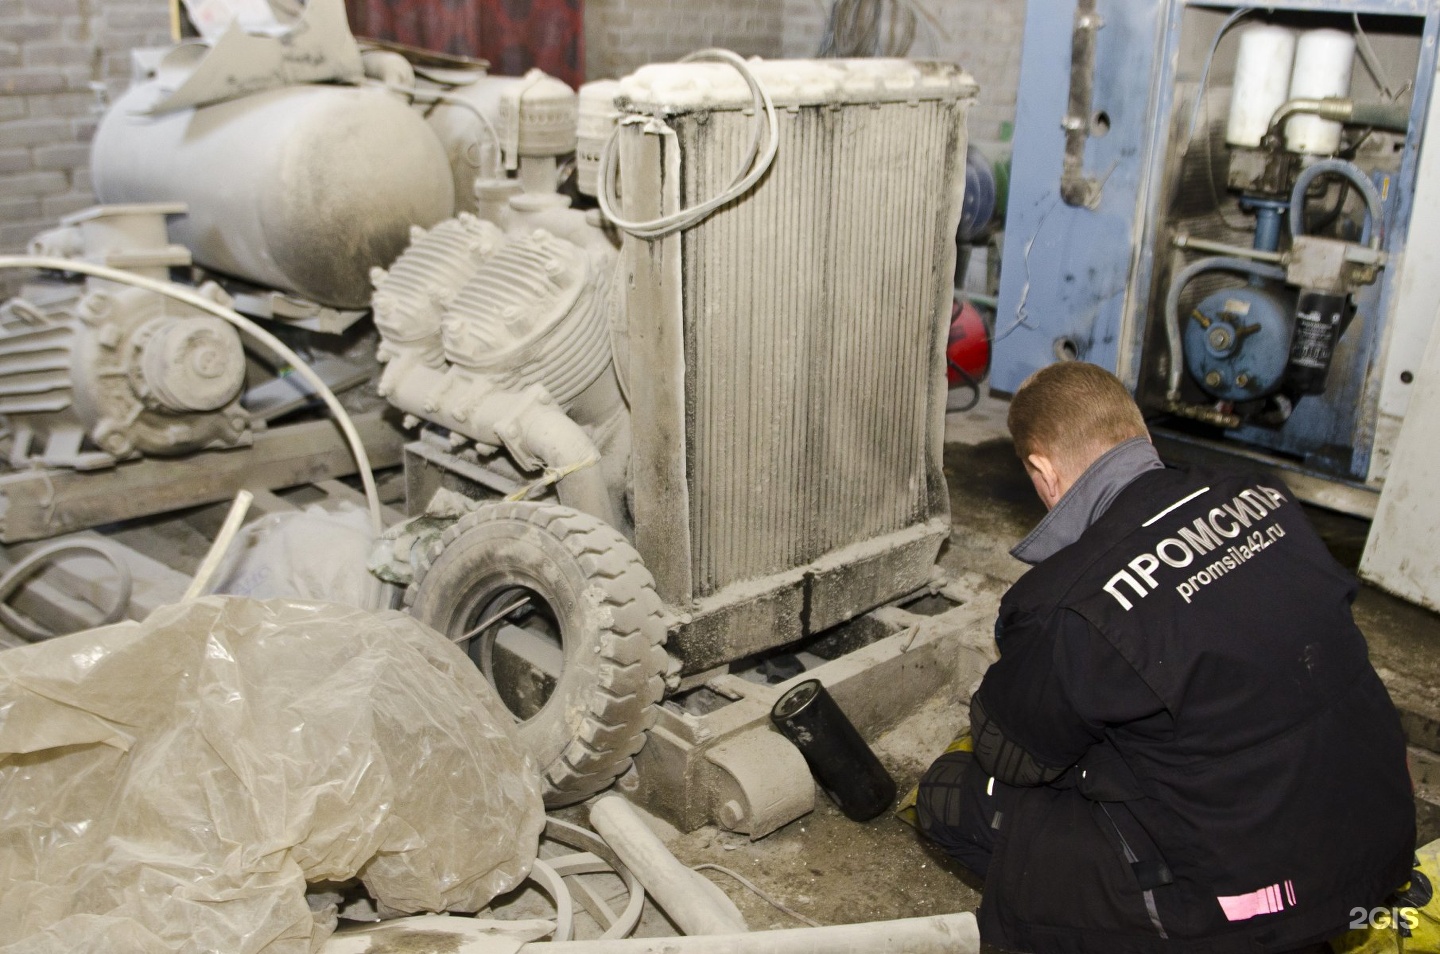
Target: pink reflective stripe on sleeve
(1271, 899)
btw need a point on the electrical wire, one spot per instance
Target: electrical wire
(1371, 61)
(970, 383)
(1202, 101)
(260, 335)
(768, 899)
(767, 129)
(33, 563)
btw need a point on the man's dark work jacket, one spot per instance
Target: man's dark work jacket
(1210, 762)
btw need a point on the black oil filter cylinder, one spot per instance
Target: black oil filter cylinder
(1318, 317)
(840, 760)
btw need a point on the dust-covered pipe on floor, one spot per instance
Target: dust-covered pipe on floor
(941, 934)
(693, 901)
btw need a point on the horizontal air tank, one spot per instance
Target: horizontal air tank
(301, 189)
(1323, 61)
(1262, 82)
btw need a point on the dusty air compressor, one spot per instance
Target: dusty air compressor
(1219, 204)
(683, 416)
(732, 372)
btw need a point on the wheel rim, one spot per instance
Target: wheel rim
(520, 646)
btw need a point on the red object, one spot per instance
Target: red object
(969, 347)
(514, 35)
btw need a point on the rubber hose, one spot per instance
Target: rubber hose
(35, 562)
(1375, 210)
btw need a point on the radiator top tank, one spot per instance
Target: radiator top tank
(302, 188)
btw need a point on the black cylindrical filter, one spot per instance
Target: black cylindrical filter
(1318, 317)
(838, 757)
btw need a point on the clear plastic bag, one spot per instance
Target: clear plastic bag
(310, 554)
(172, 785)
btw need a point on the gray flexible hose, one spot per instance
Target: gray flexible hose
(35, 562)
(754, 166)
(1172, 304)
(1375, 210)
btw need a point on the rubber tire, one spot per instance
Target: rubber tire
(611, 624)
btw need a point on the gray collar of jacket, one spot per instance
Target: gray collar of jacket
(1088, 499)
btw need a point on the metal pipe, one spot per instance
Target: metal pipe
(1337, 110)
(549, 434)
(942, 934)
(475, 407)
(1392, 116)
(1184, 240)
(1172, 305)
(1076, 188)
(692, 901)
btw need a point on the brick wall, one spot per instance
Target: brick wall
(621, 35)
(981, 35)
(54, 57)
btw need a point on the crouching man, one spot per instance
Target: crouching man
(1183, 746)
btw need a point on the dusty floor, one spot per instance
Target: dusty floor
(837, 871)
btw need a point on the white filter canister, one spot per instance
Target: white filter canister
(1262, 82)
(1323, 61)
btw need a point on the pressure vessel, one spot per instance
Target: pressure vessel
(1262, 82)
(301, 189)
(1323, 61)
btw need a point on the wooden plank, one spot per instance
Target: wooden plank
(338, 490)
(281, 396)
(45, 503)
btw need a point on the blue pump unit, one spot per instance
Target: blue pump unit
(1141, 238)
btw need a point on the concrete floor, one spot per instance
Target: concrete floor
(837, 871)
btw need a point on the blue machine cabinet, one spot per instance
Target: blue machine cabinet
(1106, 151)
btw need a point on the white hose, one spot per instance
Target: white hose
(746, 176)
(938, 934)
(228, 529)
(275, 345)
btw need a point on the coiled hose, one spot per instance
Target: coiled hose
(767, 129)
(32, 564)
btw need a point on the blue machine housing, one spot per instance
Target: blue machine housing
(1237, 341)
(1088, 281)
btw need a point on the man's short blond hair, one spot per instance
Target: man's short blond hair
(1072, 412)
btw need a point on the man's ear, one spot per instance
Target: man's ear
(1046, 478)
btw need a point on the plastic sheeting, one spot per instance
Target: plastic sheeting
(172, 785)
(310, 554)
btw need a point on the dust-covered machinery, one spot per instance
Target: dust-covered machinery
(96, 373)
(679, 415)
(1218, 203)
(739, 397)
